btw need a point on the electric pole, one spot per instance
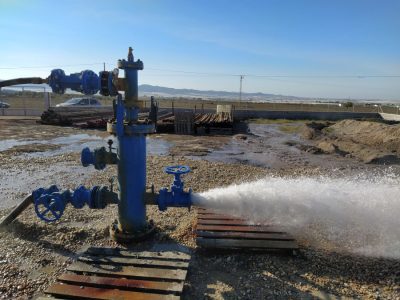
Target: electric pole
(240, 93)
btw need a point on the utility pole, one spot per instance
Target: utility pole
(240, 93)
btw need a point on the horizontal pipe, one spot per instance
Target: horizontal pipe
(110, 197)
(17, 211)
(150, 198)
(27, 80)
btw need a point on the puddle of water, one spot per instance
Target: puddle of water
(257, 148)
(76, 142)
(8, 144)
(16, 182)
(158, 146)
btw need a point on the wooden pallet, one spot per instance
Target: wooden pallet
(111, 273)
(218, 231)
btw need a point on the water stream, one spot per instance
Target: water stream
(359, 214)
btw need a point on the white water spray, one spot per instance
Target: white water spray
(361, 215)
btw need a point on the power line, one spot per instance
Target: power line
(275, 76)
(195, 73)
(45, 67)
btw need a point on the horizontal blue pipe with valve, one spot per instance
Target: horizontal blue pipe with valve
(86, 82)
(50, 203)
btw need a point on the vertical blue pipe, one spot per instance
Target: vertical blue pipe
(132, 182)
(131, 153)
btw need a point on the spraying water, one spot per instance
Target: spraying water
(361, 214)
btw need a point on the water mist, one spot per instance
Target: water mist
(361, 214)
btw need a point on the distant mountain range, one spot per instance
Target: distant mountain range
(160, 91)
(153, 90)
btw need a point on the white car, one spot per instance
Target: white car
(80, 102)
(4, 104)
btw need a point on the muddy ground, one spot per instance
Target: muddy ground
(33, 254)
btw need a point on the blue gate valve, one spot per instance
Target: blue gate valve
(50, 203)
(176, 197)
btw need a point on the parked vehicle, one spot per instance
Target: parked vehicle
(4, 104)
(80, 102)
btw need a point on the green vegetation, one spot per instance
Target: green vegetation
(276, 121)
(327, 130)
(290, 128)
(348, 104)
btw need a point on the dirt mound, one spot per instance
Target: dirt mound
(370, 142)
(383, 136)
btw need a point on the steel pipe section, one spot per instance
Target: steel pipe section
(132, 182)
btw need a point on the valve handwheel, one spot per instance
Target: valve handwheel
(177, 170)
(50, 208)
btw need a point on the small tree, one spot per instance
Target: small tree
(348, 104)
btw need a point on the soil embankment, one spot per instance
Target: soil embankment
(369, 142)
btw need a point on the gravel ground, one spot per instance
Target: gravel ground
(33, 254)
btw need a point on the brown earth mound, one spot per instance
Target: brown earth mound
(370, 142)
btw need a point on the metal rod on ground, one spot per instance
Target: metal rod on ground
(16, 211)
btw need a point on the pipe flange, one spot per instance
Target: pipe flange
(128, 237)
(132, 129)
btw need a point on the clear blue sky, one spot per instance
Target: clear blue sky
(276, 37)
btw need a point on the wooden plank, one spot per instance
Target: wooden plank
(104, 294)
(227, 222)
(121, 283)
(265, 229)
(49, 298)
(129, 271)
(245, 235)
(132, 261)
(206, 213)
(217, 217)
(170, 255)
(232, 243)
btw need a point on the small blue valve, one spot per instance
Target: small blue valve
(176, 197)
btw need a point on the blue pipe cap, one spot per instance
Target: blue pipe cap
(87, 157)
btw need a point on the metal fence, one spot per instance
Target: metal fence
(33, 100)
(24, 101)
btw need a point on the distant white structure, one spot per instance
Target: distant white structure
(390, 117)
